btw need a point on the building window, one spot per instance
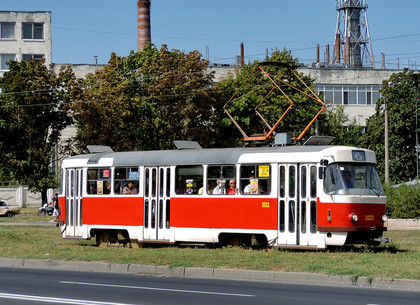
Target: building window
(34, 57)
(345, 97)
(33, 30)
(7, 30)
(368, 98)
(4, 58)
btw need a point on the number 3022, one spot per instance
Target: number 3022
(369, 217)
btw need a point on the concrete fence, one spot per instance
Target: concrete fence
(22, 196)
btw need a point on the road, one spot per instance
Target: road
(26, 286)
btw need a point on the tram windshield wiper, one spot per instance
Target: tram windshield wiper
(375, 191)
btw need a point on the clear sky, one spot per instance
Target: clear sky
(82, 29)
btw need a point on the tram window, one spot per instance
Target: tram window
(313, 217)
(292, 216)
(218, 179)
(282, 181)
(292, 179)
(313, 181)
(303, 217)
(282, 214)
(303, 181)
(255, 179)
(189, 179)
(126, 180)
(99, 181)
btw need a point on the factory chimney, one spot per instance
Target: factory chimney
(353, 32)
(144, 32)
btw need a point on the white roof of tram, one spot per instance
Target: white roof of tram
(286, 154)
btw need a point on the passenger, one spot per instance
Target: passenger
(135, 189)
(348, 180)
(220, 187)
(247, 189)
(232, 187)
(129, 188)
(201, 189)
(107, 189)
(253, 187)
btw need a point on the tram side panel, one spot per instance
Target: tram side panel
(223, 214)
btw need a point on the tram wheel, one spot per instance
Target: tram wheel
(102, 240)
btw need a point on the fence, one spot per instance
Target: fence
(22, 196)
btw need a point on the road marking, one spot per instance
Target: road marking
(158, 289)
(35, 298)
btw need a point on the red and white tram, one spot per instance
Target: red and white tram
(289, 196)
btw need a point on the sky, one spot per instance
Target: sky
(82, 29)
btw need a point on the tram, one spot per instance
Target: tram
(306, 196)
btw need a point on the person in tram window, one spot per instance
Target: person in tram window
(129, 188)
(107, 189)
(135, 189)
(232, 187)
(252, 188)
(220, 187)
(348, 181)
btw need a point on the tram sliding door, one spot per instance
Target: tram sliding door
(73, 194)
(307, 204)
(288, 205)
(157, 203)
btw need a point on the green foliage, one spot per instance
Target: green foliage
(403, 201)
(401, 93)
(146, 100)
(252, 87)
(33, 112)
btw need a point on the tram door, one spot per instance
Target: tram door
(157, 203)
(307, 204)
(73, 194)
(288, 204)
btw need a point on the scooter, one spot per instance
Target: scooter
(46, 209)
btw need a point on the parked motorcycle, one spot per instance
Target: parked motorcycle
(46, 209)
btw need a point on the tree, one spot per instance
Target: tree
(401, 95)
(146, 100)
(32, 116)
(254, 87)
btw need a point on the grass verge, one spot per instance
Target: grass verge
(401, 259)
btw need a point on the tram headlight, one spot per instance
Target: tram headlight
(353, 217)
(384, 218)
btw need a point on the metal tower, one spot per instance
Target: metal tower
(352, 44)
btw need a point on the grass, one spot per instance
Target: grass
(400, 259)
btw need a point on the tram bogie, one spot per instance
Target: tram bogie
(305, 197)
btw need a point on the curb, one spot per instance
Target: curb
(215, 273)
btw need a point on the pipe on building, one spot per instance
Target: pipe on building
(242, 54)
(327, 54)
(144, 32)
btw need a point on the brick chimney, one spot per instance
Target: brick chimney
(144, 32)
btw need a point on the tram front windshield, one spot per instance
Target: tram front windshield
(352, 179)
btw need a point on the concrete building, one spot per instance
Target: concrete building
(24, 36)
(357, 90)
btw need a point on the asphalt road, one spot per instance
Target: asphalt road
(39, 286)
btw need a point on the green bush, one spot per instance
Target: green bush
(403, 201)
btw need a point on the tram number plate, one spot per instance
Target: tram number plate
(265, 204)
(369, 217)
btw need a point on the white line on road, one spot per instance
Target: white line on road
(158, 289)
(35, 298)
